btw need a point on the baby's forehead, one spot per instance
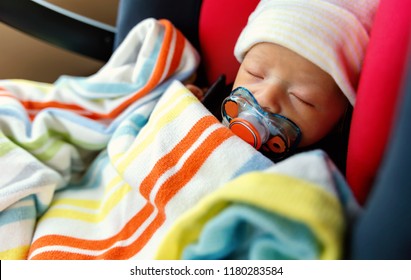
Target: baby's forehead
(272, 55)
(263, 49)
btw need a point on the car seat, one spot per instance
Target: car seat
(219, 24)
(383, 231)
(212, 26)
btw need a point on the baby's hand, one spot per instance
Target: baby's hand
(198, 92)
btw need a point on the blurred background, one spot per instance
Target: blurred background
(25, 57)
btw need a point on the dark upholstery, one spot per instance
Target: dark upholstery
(384, 230)
(184, 14)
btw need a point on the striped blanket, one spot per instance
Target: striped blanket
(128, 164)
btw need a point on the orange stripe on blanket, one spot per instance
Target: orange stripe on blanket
(38, 106)
(164, 195)
(146, 185)
(174, 156)
(153, 81)
(5, 93)
(158, 70)
(168, 190)
(178, 52)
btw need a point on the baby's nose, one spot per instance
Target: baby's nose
(270, 97)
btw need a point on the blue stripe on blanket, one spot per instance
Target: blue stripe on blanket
(35, 176)
(255, 163)
(133, 126)
(19, 214)
(75, 118)
(93, 125)
(20, 115)
(92, 179)
(143, 106)
(246, 232)
(94, 90)
(144, 74)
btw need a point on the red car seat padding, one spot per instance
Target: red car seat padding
(222, 21)
(380, 83)
(220, 25)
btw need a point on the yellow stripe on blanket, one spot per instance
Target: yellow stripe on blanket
(289, 197)
(43, 87)
(18, 253)
(89, 203)
(184, 99)
(62, 208)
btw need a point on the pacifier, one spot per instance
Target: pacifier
(272, 134)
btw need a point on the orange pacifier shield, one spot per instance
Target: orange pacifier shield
(246, 131)
(273, 134)
(231, 109)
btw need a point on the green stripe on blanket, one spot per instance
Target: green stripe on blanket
(161, 153)
(57, 143)
(144, 183)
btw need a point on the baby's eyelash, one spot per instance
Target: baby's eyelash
(252, 73)
(302, 100)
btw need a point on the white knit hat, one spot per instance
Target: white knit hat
(333, 34)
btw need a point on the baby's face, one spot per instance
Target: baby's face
(285, 83)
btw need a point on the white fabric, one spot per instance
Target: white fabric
(333, 34)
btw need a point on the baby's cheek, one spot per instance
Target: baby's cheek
(312, 132)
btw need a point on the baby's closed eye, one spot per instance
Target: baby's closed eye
(300, 99)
